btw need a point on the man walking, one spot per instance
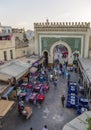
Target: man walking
(45, 127)
(62, 100)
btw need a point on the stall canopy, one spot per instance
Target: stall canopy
(14, 69)
(33, 70)
(18, 68)
(5, 96)
(5, 106)
(3, 87)
(31, 60)
(41, 61)
(79, 123)
(4, 77)
(86, 66)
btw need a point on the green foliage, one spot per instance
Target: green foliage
(89, 123)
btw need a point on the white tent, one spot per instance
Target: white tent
(79, 123)
(14, 69)
(33, 70)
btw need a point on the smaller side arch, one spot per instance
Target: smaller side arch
(45, 51)
(45, 54)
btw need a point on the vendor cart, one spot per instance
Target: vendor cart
(27, 112)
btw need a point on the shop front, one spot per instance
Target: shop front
(85, 74)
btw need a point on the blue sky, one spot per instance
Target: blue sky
(23, 13)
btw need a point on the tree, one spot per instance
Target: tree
(89, 123)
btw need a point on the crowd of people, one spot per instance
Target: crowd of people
(52, 75)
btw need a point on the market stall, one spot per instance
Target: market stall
(33, 71)
(5, 106)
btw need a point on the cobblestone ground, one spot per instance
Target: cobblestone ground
(50, 113)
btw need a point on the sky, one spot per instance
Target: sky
(24, 13)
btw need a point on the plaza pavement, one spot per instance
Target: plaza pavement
(50, 113)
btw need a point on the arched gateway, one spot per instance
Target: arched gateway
(60, 43)
(73, 36)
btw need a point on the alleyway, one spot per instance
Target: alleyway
(50, 113)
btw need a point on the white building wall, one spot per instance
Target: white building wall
(86, 48)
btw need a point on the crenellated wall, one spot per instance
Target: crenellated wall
(62, 26)
(74, 34)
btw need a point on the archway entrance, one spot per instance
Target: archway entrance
(76, 55)
(62, 50)
(46, 58)
(60, 54)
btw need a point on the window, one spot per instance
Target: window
(5, 55)
(8, 30)
(11, 54)
(3, 31)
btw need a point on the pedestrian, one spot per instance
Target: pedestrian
(68, 76)
(63, 72)
(68, 82)
(35, 101)
(31, 128)
(60, 72)
(45, 127)
(55, 83)
(62, 100)
(51, 77)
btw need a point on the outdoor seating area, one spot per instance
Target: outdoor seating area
(80, 103)
(72, 99)
(30, 92)
(34, 91)
(83, 105)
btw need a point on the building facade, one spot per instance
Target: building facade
(13, 43)
(75, 37)
(21, 42)
(30, 37)
(5, 29)
(7, 47)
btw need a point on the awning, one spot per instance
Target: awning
(14, 69)
(5, 77)
(79, 123)
(85, 66)
(3, 87)
(33, 70)
(41, 61)
(5, 106)
(5, 96)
